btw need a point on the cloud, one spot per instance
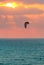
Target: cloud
(30, 1)
(12, 20)
(16, 30)
(38, 23)
(9, 21)
(25, 1)
(6, 22)
(20, 20)
(19, 11)
(29, 11)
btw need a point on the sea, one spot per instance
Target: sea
(21, 51)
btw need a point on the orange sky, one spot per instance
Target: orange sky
(13, 14)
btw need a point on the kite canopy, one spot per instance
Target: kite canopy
(26, 24)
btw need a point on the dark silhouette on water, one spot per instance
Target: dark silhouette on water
(26, 24)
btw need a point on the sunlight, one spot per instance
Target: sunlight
(12, 5)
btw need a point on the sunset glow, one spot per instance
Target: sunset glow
(38, 6)
(13, 14)
(9, 4)
(13, 5)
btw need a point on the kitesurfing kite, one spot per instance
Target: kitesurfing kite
(26, 24)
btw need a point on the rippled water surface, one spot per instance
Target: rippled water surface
(21, 51)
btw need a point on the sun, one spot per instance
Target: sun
(12, 5)
(9, 5)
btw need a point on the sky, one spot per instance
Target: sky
(13, 15)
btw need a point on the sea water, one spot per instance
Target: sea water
(21, 51)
